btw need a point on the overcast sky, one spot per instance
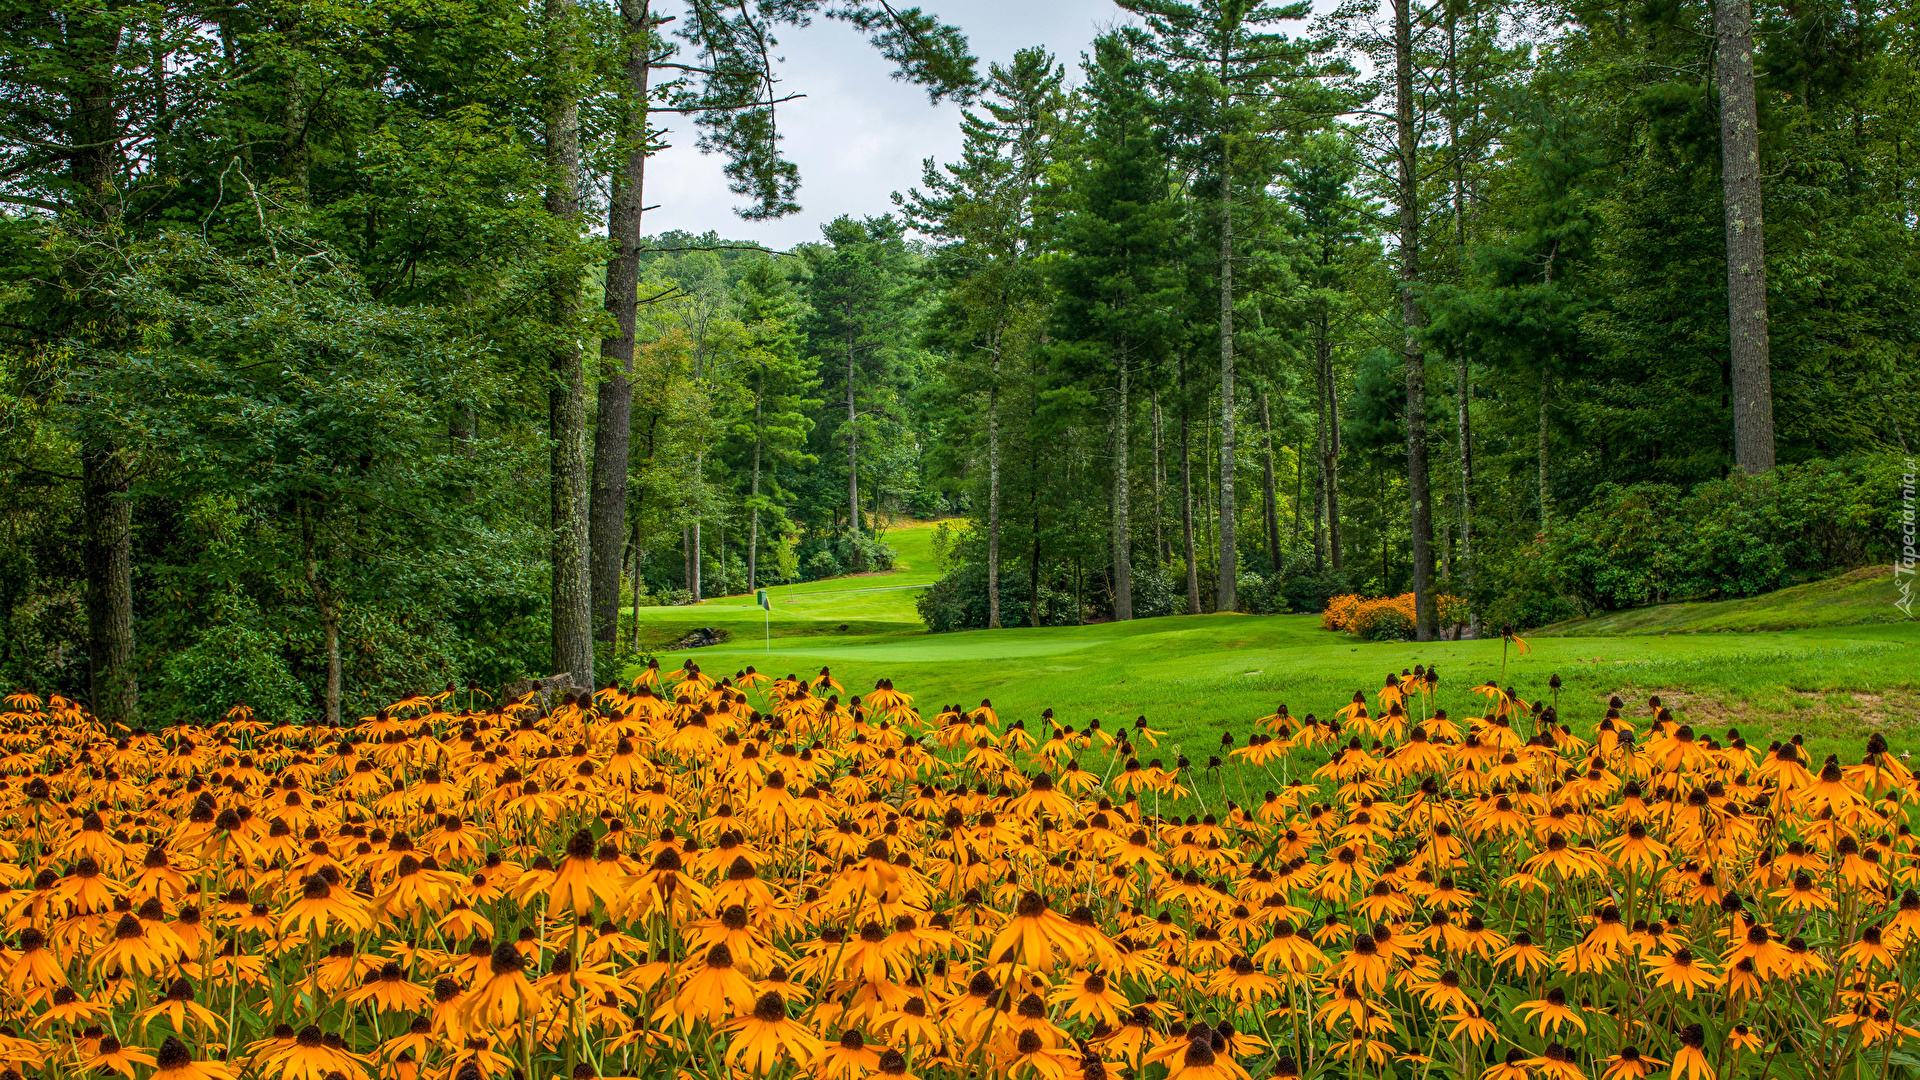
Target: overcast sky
(858, 135)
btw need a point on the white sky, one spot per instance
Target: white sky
(859, 135)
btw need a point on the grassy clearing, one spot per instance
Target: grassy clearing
(1861, 596)
(860, 605)
(1198, 677)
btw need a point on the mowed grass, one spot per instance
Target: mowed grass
(1199, 677)
(858, 604)
(1859, 596)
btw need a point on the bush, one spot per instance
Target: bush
(1338, 615)
(1385, 618)
(1742, 536)
(1155, 594)
(1310, 590)
(821, 564)
(234, 660)
(863, 554)
(1259, 594)
(958, 601)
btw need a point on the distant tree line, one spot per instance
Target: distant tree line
(339, 363)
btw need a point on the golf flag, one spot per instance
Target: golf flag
(760, 597)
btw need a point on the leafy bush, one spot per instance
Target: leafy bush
(1745, 535)
(235, 660)
(958, 601)
(821, 564)
(863, 554)
(1338, 615)
(1155, 593)
(1310, 590)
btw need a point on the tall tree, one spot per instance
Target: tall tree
(732, 91)
(774, 437)
(1117, 289)
(1232, 80)
(981, 211)
(567, 394)
(1746, 247)
(613, 431)
(856, 326)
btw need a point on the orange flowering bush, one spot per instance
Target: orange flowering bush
(693, 877)
(1384, 618)
(1339, 614)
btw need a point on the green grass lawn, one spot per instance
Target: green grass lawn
(859, 604)
(1861, 596)
(1197, 677)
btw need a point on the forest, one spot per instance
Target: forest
(338, 362)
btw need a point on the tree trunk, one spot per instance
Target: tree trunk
(106, 507)
(1033, 568)
(1299, 478)
(753, 496)
(1463, 387)
(1546, 485)
(1186, 519)
(293, 144)
(1122, 531)
(1335, 524)
(1160, 551)
(567, 397)
(613, 433)
(108, 554)
(853, 456)
(1746, 248)
(1320, 439)
(993, 500)
(325, 601)
(1266, 481)
(1227, 562)
(1426, 613)
(1330, 446)
(639, 560)
(1461, 394)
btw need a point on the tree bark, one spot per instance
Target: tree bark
(106, 507)
(1299, 478)
(1546, 485)
(1227, 563)
(613, 433)
(1160, 551)
(1122, 539)
(567, 398)
(326, 602)
(753, 496)
(1330, 445)
(108, 554)
(1461, 395)
(1033, 568)
(1426, 613)
(1266, 481)
(993, 500)
(1753, 448)
(853, 456)
(1186, 519)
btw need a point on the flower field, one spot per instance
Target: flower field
(692, 877)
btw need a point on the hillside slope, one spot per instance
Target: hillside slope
(1857, 597)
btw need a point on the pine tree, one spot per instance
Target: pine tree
(982, 212)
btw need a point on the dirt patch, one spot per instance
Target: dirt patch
(699, 639)
(1845, 714)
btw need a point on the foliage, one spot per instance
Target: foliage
(1384, 618)
(1650, 543)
